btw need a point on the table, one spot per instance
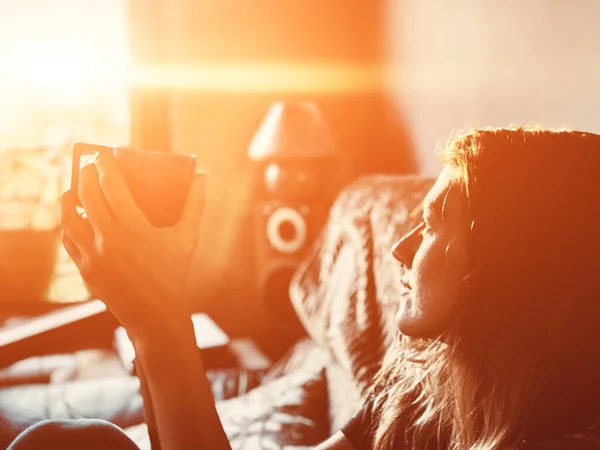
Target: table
(34, 350)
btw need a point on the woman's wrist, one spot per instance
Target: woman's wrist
(165, 331)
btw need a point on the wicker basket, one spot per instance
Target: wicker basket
(30, 187)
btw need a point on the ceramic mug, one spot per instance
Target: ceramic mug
(159, 182)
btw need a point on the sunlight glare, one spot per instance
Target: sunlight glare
(64, 72)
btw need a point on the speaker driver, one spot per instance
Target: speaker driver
(286, 230)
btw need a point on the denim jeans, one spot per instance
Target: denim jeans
(70, 435)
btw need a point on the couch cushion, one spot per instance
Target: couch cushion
(346, 291)
(304, 356)
(345, 396)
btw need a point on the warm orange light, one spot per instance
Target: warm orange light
(65, 73)
(262, 77)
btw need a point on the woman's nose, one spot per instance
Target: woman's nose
(404, 250)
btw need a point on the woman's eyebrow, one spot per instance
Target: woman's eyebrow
(434, 210)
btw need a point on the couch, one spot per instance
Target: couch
(345, 294)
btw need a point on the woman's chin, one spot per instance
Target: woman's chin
(405, 322)
(407, 328)
(416, 327)
(410, 323)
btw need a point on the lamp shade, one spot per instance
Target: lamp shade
(295, 130)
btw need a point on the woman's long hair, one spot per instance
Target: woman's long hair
(520, 363)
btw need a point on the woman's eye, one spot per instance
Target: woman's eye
(425, 228)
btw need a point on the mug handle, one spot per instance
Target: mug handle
(80, 149)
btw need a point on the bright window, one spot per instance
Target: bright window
(63, 72)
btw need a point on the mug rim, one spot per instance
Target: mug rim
(81, 146)
(152, 152)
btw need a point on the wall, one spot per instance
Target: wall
(474, 63)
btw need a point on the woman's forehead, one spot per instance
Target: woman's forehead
(443, 198)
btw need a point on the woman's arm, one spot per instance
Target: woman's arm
(141, 272)
(182, 405)
(336, 442)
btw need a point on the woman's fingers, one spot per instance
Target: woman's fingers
(191, 216)
(71, 248)
(77, 235)
(116, 192)
(93, 201)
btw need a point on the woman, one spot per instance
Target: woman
(500, 318)
(503, 287)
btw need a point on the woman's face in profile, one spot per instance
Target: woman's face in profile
(435, 257)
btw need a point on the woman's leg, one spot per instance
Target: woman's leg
(77, 434)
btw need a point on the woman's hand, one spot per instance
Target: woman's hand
(141, 272)
(138, 270)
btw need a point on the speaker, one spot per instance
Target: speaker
(298, 170)
(285, 233)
